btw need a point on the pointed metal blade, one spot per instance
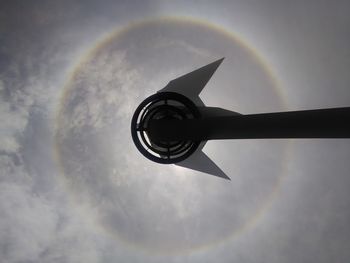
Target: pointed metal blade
(191, 84)
(199, 161)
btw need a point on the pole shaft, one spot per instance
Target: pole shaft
(323, 123)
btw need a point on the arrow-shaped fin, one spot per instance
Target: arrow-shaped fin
(191, 84)
(199, 161)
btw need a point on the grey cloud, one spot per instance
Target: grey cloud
(41, 227)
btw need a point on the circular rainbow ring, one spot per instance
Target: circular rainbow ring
(119, 33)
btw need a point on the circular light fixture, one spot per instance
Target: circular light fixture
(163, 106)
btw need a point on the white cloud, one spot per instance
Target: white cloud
(36, 225)
(201, 52)
(2, 86)
(27, 224)
(105, 89)
(42, 227)
(13, 122)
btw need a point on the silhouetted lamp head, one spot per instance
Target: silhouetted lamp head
(177, 101)
(173, 125)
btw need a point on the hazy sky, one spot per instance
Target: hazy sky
(73, 187)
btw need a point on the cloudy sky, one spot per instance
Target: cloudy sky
(73, 187)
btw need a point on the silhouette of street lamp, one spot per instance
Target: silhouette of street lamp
(173, 125)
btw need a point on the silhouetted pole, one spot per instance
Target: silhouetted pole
(322, 123)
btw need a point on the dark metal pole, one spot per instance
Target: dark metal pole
(322, 123)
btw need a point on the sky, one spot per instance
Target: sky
(73, 187)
